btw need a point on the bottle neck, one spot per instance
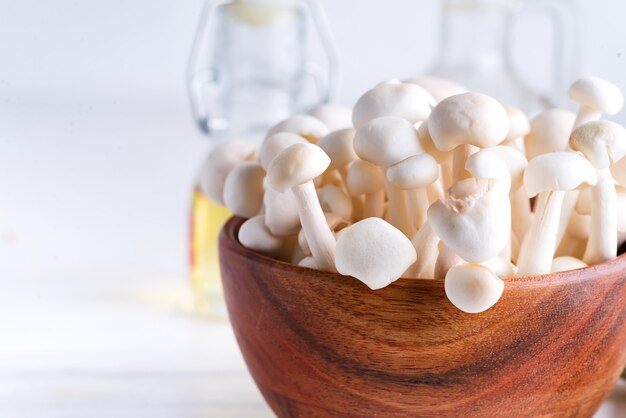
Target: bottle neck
(473, 35)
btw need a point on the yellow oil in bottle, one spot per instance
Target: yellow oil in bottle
(206, 220)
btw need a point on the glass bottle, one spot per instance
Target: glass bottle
(250, 67)
(476, 49)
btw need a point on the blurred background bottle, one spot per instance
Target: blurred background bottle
(477, 49)
(249, 68)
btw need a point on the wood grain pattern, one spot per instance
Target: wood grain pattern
(323, 345)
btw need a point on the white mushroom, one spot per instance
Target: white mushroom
(519, 127)
(425, 243)
(281, 212)
(619, 172)
(254, 235)
(295, 168)
(407, 101)
(521, 213)
(223, 158)
(549, 175)
(334, 199)
(308, 127)
(374, 252)
(414, 175)
(603, 143)
(386, 141)
(439, 88)
(335, 223)
(243, 189)
(334, 116)
(339, 145)
(475, 221)
(446, 259)
(274, 144)
(595, 97)
(464, 123)
(473, 288)
(566, 263)
(308, 262)
(367, 179)
(501, 267)
(549, 132)
(486, 164)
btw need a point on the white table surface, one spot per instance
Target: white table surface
(94, 311)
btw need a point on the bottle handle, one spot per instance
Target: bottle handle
(327, 87)
(201, 74)
(563, 17)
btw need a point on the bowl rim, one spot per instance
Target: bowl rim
(228, 239)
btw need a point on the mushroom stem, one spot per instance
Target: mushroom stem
(398, 209)
(602, 244)
(586, 114)
(520, 212)
(445, 260)
(569, 204)
(435, 191)
(461, 154)
(374, 205)
(425, 243)
(539, 244)
(418, 205)
(316, 230)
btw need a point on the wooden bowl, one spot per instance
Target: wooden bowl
(322, 345)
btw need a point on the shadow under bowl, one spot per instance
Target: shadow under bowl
(320, 344)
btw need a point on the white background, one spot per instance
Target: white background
(98, 153)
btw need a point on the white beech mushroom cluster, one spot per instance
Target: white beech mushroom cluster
(460, 188)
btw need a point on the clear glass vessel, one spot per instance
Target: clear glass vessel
(476, 48)
(249, 68)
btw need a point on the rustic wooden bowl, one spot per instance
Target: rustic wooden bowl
(319, 344)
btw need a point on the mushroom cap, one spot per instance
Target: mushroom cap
(334, 199)
(515, 161)
(519, 125)
(603, 142)
(473, 288)
(255, 236)
(426, 142)
(475, 220)
(597, 94)
(386, 140)
(562, 171)
(468, 118)
(223, 158)
(549, 132)
(308, 127)
(403, 100)
(417, 171)
(296, 165)
(281, 212)
(619, 172)
(565, 263)
(439, 88)
(374, 252)
(339, 145)
(334, 116)
(243, 189)
(274, 144)
(364, 178)
(486, 164)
